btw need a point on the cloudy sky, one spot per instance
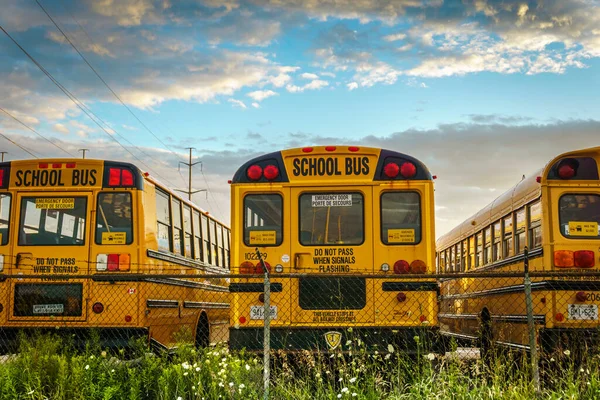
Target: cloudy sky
(482, 91)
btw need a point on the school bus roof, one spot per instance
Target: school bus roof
(523, 192)
(340, 162)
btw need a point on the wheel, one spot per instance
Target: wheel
(203, 332)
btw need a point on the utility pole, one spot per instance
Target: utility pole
(3, 153)
(190, 192)
(83, 151)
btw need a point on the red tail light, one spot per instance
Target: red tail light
(401, 297)
(71, 165)
(408, 170)
(401, 267)
(353, 149)
(330, 148)
(43, 165)
(581, 296)
(418, 267)
(98, 308)
(259, 267)
(254, 172)
(559, 317)
(247, 267)
(307, 149)
(56, 165)
(1, 177)
(584, 259)
(113, 262)
(271, 172)
(567, 169)
(391, 170)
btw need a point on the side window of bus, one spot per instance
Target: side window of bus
(226, 239)
(114, 220)
(163, 217)
(220, 244)
(263, 220)
(177, 232)
(400, 218)
(535, 225)
(5, 201)
(471, 256)
(497, 232)
(205, 240)
(520, 232)
(187, 231)
(479, 253)
(487, 250)
(463, 261)
(198, 254)
(214, 258)
(442, 261)
(507, 245)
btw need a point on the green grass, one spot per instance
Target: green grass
(47, 367)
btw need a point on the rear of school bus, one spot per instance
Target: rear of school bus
(62, 221)
(340, 228)
(571, 196)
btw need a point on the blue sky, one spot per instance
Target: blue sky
(482, 91)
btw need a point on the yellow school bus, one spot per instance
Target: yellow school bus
(347, 234)
(555, 213)
(93, 245)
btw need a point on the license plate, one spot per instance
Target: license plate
(48, 308)
(583, 311)
(258, 312)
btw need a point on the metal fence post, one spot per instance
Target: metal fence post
(531, 325)
(267, 329)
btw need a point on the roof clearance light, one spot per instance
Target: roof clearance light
(271, 172)
(56, 165)
(401, 267)
(353, 149)
(114, 177)
(330, 148)
(408, 170)
(254, 172)
(43, 165)
(71, 165)
(391, 170)
(307, 149)
(584, 259)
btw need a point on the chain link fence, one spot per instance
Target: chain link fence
(320, 313)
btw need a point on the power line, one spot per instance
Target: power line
(18, 145)
(75, 100)
(100, 77)
(212, 195)
(34, 131)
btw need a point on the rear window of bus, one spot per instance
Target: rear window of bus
(114, 222)
(5, 200)
(400, 218)
(263, 220)
(579, 215)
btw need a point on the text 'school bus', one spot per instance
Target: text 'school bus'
(329, 221)
(100, 219)
(555, 212)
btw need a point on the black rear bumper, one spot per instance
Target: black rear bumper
(409, 340)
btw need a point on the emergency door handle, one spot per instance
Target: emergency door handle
(21, 257)
(297, 259)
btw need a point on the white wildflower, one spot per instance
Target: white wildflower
(186, 365)
(390, 348)
(354, 394)
(582, 370)
(552, 359)
(112, 370)
(344, 390)
(30, 392)
(221, 384)
(230, 384)
(247, 367)
(91, 357)
(242, 386)
(103, 354)
(339, 396)
(430, 356)
(179, 398)
(197, 369)
(567, 352)
(387, 356)
(185, 374)
(87, 367)
(352, 380)
(349, 342)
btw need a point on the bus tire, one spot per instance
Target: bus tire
(485, 336)
(203, 332)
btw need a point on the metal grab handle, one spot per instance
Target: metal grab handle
(297, 258)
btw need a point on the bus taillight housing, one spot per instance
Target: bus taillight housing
(113, 262)
(119, 177)
(584, 259)
(563, 259)
(401, 267)
(4, 177)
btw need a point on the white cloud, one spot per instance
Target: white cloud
(237, 103)
(307, 75)
(313, 85)
(61, 128)
(260, 95)
(394, 37)
(255, 105)
(352, 85)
